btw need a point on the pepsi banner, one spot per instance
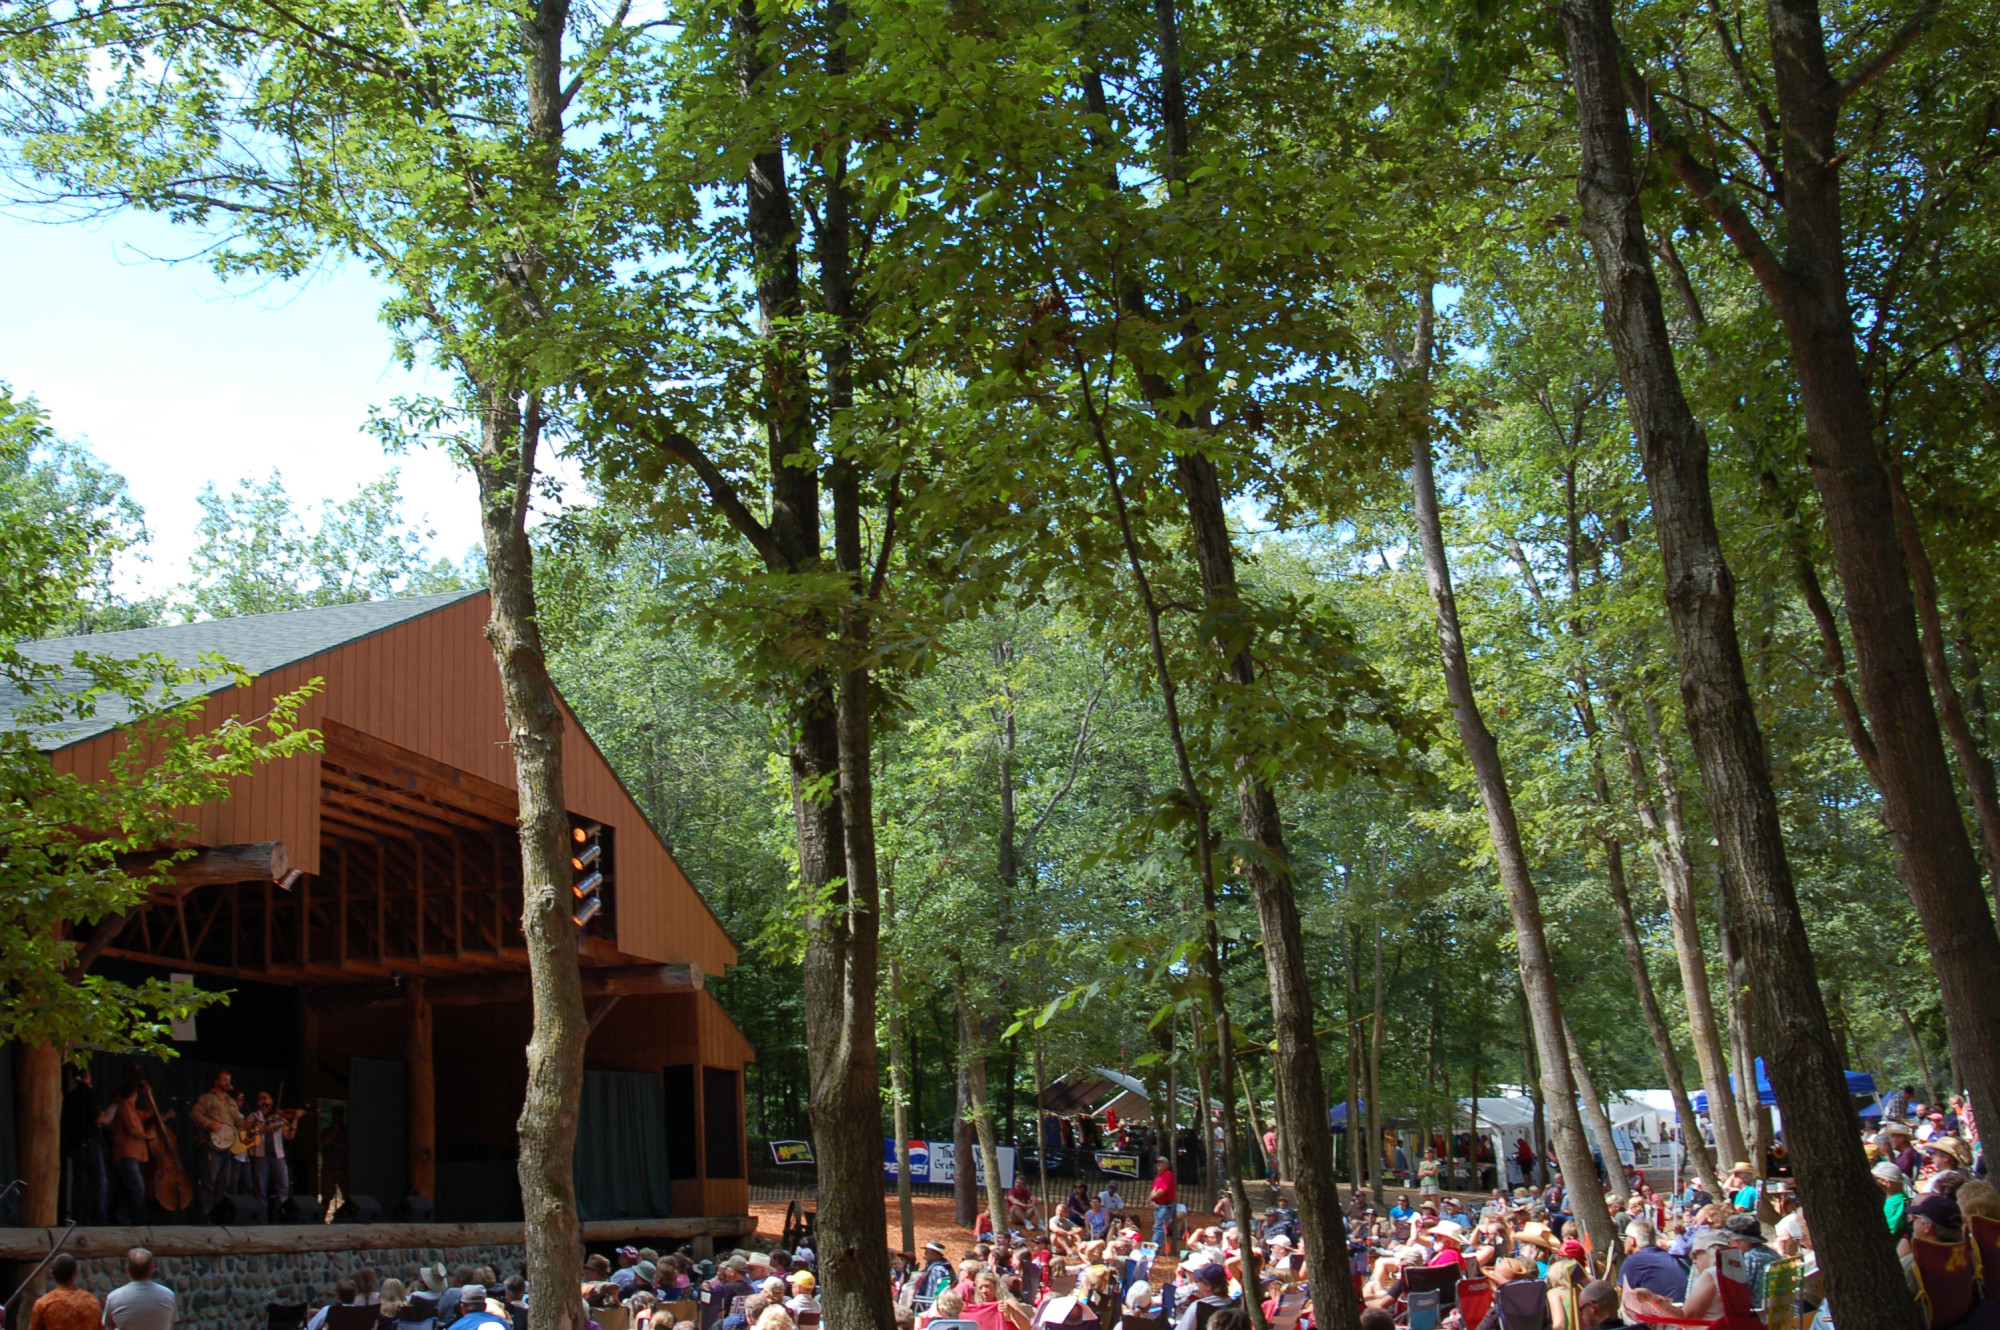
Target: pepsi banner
(934, 1162)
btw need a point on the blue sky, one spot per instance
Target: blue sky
(175, 379)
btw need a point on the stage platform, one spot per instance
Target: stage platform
(31, 1244)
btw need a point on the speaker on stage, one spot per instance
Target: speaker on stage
(298, 1210)
(360, 1210)
(239, 1210)
(413, 1210)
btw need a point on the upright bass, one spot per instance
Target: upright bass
(166, 1179)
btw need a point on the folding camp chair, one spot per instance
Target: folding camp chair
(285, 1316)
(1421, 1310)
(1475, 1298)
(342, 1317)
(1439, 1279)
(1524, 1305)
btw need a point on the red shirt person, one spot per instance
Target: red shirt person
(1164, 1209)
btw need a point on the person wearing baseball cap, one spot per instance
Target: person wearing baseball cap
(1210, 1286)
(804, 1293)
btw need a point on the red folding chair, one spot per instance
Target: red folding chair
(1985, 1234)
(1947, 1279)
(1475, 1299)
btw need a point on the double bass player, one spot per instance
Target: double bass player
(133, 1139)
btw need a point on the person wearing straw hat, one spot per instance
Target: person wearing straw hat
(1447, 1244)
(1947, 1152)
(1897, 1146)
(1743, 1185)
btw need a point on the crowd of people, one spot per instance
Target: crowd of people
(1517, 1260)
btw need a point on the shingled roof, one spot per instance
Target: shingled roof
(259, 643)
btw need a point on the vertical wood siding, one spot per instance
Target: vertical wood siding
(430, 685)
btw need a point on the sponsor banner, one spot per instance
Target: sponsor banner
(934, 1162)
(1118, 1166)
(791, 1152)
(920, 1160)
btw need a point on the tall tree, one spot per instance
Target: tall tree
(1800, 262)
(1538, 978)
(1789, 1012)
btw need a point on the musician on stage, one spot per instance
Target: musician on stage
(133, 1139)
(219, 1118)
(270, 1164)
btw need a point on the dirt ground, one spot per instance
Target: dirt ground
(934, 1222)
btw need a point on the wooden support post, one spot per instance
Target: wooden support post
(381, 905)
(420, 897)
(268, 893)
(423, 1095)
(342, 950)
(458, 897)
(38, 1119)
(305, 922)
(499, 914)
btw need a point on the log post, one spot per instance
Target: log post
(38, 1115)
(422, 1096)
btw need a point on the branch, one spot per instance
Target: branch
(1707, 188)
(1888, 55)
(1075, 765)
(881, 573)
(723, 495)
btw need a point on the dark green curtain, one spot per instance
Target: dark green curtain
(378, 1132)
(621, 1147)
(10, 1209)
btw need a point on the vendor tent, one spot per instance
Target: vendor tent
(1859, 1084)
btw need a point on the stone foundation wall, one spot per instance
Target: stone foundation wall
(231, 1292)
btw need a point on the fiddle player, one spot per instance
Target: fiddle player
(133, 1140)
(215, 1109)
(270, 1176)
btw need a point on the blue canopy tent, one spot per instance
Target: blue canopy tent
(1336, 1117)
(1859, 1084)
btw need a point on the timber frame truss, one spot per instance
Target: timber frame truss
(420, 875)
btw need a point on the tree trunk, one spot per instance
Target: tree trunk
(1973, 764)
(1524, 902)
(505, 469)
(964, 1135)
(1267, 867)
(1735, 976)
(421, 1077)
(1042, 1133)
(38, 1130)
(989, 1143)
(1380, 1161)
(1804, 277)
(1541, 1174)
(1841, 1204)
(899, 1078)
(1357, 1171)
(1656, 1023)
(1668, 846)
(1341, 1311)
(1923, 1062)
(1600, 1120)
(843, 942)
